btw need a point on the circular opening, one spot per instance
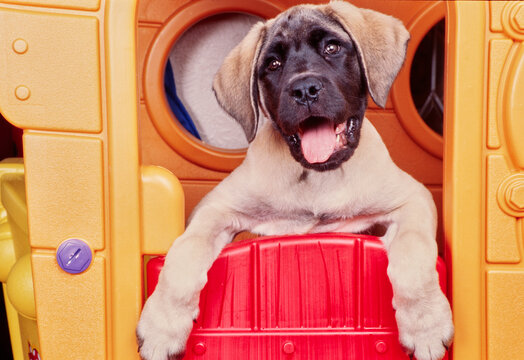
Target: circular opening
(427, 78)
(422, 76)
(193, 61)
(174, 134)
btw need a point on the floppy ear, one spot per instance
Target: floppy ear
(235, 84)
(381, 41)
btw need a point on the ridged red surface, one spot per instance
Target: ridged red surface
(315, 296)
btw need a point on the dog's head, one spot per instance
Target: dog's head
(309, 70)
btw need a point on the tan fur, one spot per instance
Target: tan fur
(235, 86)
(381, 41)
(264, 195)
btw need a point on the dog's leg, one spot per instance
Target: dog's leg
(422, 311)
(168, 315)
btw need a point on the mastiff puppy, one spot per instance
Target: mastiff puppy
(298, 85)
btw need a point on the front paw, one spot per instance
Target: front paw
(425, 327)
(163, 329)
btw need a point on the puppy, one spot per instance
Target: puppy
(298, 85)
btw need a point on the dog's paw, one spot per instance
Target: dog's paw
(163, 329)
(425, 327)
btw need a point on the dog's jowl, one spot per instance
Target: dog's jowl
(298, 85)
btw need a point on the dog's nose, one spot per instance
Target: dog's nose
(306, 90)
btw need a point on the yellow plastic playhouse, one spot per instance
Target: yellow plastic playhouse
(106, 165)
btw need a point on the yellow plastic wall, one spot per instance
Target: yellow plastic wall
(68, 78)
(484, 177)
(15, 266)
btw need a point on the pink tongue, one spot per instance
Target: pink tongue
(318, 142)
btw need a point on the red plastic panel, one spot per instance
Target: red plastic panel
(315, 296)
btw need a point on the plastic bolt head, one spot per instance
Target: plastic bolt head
(288, 347)
(519, 17)
(74, 256)
(22, 93)
(516, 195)
(199, 348)
(381, 346)
(20, 46)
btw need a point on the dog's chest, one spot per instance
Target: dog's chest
(305, 202)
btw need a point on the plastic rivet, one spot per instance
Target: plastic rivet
(199, 348)
(74, 256)
(20, 46)
(288, 347)
(515, 197)
(22, 92)
(381, 346)
(519, 17)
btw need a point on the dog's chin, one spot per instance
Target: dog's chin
(347, 139)
(334, 161)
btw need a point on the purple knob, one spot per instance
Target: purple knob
(74, 256)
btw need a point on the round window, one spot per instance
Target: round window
(417, 93)
(193, 61)
(179, 67)
(427, 78)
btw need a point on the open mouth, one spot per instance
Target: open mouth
(320, 138)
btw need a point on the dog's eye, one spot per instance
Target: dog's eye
(331, 49)
(274, 65)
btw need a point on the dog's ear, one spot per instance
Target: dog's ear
(381, 41)
(235, 84)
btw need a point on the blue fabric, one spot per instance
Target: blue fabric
(176, 105)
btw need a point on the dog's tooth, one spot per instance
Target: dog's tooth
(293, 139)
